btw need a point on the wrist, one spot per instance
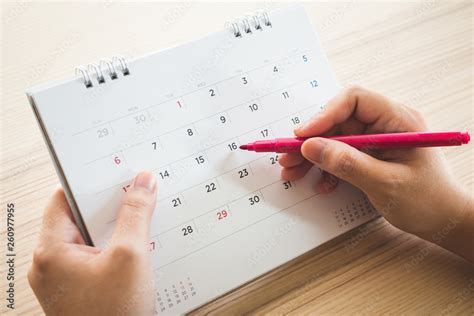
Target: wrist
(457, 232)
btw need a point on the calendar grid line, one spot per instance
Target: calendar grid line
(225, 112)
(188, 93)
(202, 119)
(251, 169)
(194, 225)
(111, 128)
(237, 231)
(217, 181)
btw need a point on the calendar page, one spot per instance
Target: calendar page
(223, 216)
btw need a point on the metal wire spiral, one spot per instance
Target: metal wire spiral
(248, 24)
(106, 70)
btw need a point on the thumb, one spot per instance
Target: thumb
(346, 162)
(134, 216)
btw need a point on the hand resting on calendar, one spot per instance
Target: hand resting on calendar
(412, 188)
(70, 278)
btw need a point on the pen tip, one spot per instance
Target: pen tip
(244, 147)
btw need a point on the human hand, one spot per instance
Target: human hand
(70, 278)
(412, 188)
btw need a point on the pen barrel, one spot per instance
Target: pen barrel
(279, 145)
(288, 145)
(369, 141)
(404, 140)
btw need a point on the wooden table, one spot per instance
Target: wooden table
(420, 53)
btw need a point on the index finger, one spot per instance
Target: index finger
(366, 106)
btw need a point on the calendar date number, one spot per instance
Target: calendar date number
(187, 230)
(254, 200)
(103, 132)
(176, 202)
(210, 187)
(222, 215)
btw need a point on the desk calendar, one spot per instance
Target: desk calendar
(223, 216)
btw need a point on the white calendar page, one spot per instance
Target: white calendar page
(223, 216)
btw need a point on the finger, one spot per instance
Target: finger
(403, 119)
(352, 126)
(366, 106)
(346, 162)
(58, 222)
(134, 216)
(295, 173)
(291, 160)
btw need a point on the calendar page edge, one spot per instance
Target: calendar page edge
(79, 221)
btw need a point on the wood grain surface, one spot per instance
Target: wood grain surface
(420, 53)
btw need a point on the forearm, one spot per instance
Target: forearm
(457, 235)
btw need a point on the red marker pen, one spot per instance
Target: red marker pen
(369, 141)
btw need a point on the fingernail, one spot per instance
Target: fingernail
(145, 180)
(314, 149)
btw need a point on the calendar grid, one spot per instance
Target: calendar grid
(217, 144)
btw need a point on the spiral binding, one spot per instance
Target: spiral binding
(106, 69)
(249, 23)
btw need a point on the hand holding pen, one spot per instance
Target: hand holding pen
(412, 188)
